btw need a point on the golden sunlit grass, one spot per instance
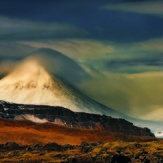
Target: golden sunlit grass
(99, 151)
(27, 158)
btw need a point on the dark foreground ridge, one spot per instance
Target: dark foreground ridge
(66, 117)
(110, 152)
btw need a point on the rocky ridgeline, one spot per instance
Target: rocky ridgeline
(66, 117)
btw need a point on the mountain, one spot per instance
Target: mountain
(30, 83)
(65, 117)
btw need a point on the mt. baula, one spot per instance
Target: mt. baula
(30, 83)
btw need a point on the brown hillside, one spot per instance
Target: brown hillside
(25, 132)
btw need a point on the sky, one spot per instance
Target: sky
(110, 50)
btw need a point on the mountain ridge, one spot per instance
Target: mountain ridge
(66, 117)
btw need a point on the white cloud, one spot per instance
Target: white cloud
(151, 7)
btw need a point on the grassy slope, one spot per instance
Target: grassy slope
(25, 133)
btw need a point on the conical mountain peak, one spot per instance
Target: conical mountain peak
(29, 69)
(30, 83)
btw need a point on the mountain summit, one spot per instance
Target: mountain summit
(30, 83)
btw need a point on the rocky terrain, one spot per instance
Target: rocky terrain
(108, 152)
(66, 117)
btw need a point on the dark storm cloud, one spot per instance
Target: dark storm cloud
(153, 61)
(15, 29)
(140, 61)
(100, 24)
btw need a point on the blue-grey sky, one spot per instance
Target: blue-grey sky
(104, 19)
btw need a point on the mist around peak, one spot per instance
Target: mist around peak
(59, 65)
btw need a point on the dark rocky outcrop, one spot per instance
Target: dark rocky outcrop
(11, 146)
(52, 147)
(66, 117)
(119, 158)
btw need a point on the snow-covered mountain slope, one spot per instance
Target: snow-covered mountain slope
(30, 83)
